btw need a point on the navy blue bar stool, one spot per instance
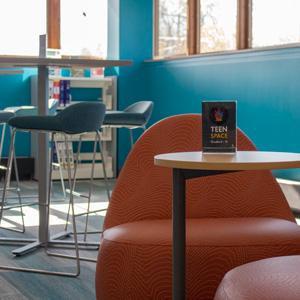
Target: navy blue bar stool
(134, 116)
(78, 118)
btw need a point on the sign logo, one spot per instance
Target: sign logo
(218, 115)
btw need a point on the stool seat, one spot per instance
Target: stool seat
(122, 118)
(5, 116)
(66, 121)
(45, 123)
(136, 114)
(274, 278)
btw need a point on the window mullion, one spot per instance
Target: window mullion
(193, 16)
(243, 24)
(156, 28)
(53, 23)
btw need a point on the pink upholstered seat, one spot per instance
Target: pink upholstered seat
(267, 279)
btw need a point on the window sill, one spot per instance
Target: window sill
(223, 53)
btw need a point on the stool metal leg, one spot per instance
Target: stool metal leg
(90, 189)
(103, 165)
(74, 178)
(2, 139)
(11, 160)
(50, 186)
(97, 140)
(131, 137)
(8, 171)
(60, 170)
(18, 190)
(106, 186)
(71, 184)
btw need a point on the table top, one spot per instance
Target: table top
(36, 61)
(241, 160)
(11, 72)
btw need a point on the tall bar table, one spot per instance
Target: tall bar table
(188, 165)
(42, 65)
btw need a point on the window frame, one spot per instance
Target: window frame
(53, 24)
(243, 36)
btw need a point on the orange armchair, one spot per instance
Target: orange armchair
(231, 219)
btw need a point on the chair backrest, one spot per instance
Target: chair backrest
(144, 191)
(82, 117)
(144, 108)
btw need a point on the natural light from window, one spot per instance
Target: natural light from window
(218, 25)
(275, 22)
(84, 27)
(21, 23)
(172, 27)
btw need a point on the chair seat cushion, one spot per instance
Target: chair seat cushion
(5, 116)
(208, 232)
(143, 251)
(45, 123)
(122, 118)
(268, 279)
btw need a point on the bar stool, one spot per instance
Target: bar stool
(76, 119)
(5, 115)
(132, 117)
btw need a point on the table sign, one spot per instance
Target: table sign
(219, 126)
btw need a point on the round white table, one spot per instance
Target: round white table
(187, 165)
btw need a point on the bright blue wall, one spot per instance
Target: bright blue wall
(15, 91)
(135, 43)
(265, 84)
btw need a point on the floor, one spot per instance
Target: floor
(19, 285)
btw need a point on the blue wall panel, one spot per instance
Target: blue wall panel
(135, 44)
(265, 84)
(15, 91)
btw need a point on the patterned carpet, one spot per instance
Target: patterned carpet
(20, 285)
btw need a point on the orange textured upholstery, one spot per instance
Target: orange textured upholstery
(268, 279)
(231, 219)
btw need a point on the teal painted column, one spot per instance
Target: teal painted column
(15, 91)
(130, 37)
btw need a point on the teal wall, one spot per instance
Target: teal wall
(264, 83)
(15, 91)
(134, 31)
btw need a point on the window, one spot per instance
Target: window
(21, 23)
(83, 27)
(172, 27)
(281, 25)
(77, 27)
(218, 22)
(203, 26)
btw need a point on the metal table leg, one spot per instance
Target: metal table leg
(178, 283)
(43, 156)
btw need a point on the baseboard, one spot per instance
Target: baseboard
(25, 168)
